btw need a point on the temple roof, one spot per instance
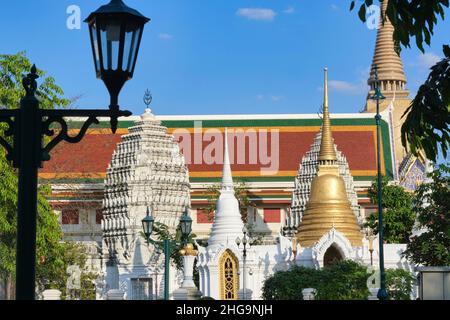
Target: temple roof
(263, 136)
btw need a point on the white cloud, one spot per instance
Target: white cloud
(289, 10)
(346, 87)
(261, 97)
(334, 7)
(276, 98)
(165, 36)
(261, 14)
(427, 60)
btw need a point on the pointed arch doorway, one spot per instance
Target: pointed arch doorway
(332, 255)
(229, 277)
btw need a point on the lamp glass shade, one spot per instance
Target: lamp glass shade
(147, 226)
(115, 31)
(185, 224)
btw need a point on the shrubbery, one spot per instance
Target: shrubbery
(344, 280)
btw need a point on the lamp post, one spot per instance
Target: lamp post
(186, 229)
(245, 240)
(28, 125)
(382, 293)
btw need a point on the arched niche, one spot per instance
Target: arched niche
(332, 255)
(334, 239)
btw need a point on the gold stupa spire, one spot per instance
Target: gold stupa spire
(327, 152)
(390, 67)
(328, 206)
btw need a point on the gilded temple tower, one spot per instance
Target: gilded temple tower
(392, 81)
(328, 206)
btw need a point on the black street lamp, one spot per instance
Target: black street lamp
(245, 241)
(168, 244)
(28, 126)
(116, 32)
(382, 293)
(147, 224)
(185, 225)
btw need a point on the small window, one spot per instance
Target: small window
(70, 217)
(204, 216)
(141, 289)
(98, 216)
(272, 215)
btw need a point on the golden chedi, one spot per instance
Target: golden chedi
(328, 206)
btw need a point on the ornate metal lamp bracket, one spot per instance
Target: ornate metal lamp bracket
(63, 133)
(47, 119)
(8, 117)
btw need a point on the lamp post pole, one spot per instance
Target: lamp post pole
(382, 293)
(244, 278)
(28, 135)
(244, 242)
(166, 268)
(186, 228)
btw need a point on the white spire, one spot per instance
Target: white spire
(227, 220)
(227, 179)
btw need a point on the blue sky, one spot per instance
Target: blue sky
(217, 57)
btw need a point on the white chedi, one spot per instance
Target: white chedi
(227, 225)
(146, 170)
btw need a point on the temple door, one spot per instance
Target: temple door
(229, 278)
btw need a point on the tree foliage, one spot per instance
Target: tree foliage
(162, 232)
(399, 284)
(12, 69)
(241, 193)
(427, 122)
(343, 280)
(432, 206)
(398, 216)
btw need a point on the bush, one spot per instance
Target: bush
(399, 284)
(344, 280)
(288, 285)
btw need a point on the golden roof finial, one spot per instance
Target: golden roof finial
(327, 152)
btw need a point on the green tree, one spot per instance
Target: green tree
(427, 124)
(12, 69)
(344, 280)
(432, 206)
(242, 195)
(398, 216)
(399, 284)
(53, 256)
(162, 232)
(288, 285)
(241, 192)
